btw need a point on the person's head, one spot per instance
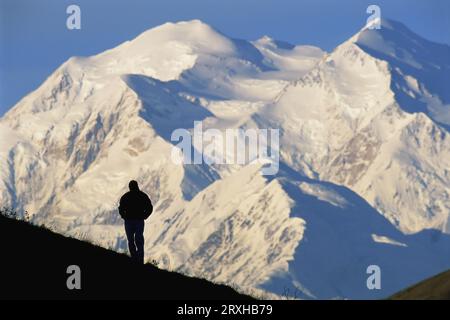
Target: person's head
(133, 185)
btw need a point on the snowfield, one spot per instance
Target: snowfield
(364, 173)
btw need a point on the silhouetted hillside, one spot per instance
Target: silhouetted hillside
(33, 264)
(435, 288)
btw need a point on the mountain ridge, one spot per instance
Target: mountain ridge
(348, 145)
(38, 273)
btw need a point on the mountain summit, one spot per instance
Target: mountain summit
(364, 156)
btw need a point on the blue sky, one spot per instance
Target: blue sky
(34, 39)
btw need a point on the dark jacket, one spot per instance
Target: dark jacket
(135, 205)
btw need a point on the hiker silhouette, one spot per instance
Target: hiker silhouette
(135, 207)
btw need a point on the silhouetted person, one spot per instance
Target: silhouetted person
(135, 207)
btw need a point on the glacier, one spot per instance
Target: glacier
(364, 173)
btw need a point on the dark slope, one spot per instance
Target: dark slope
(435, 288)
(34, 261)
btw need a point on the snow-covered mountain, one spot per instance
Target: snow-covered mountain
(373, 116)
(364, 156)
